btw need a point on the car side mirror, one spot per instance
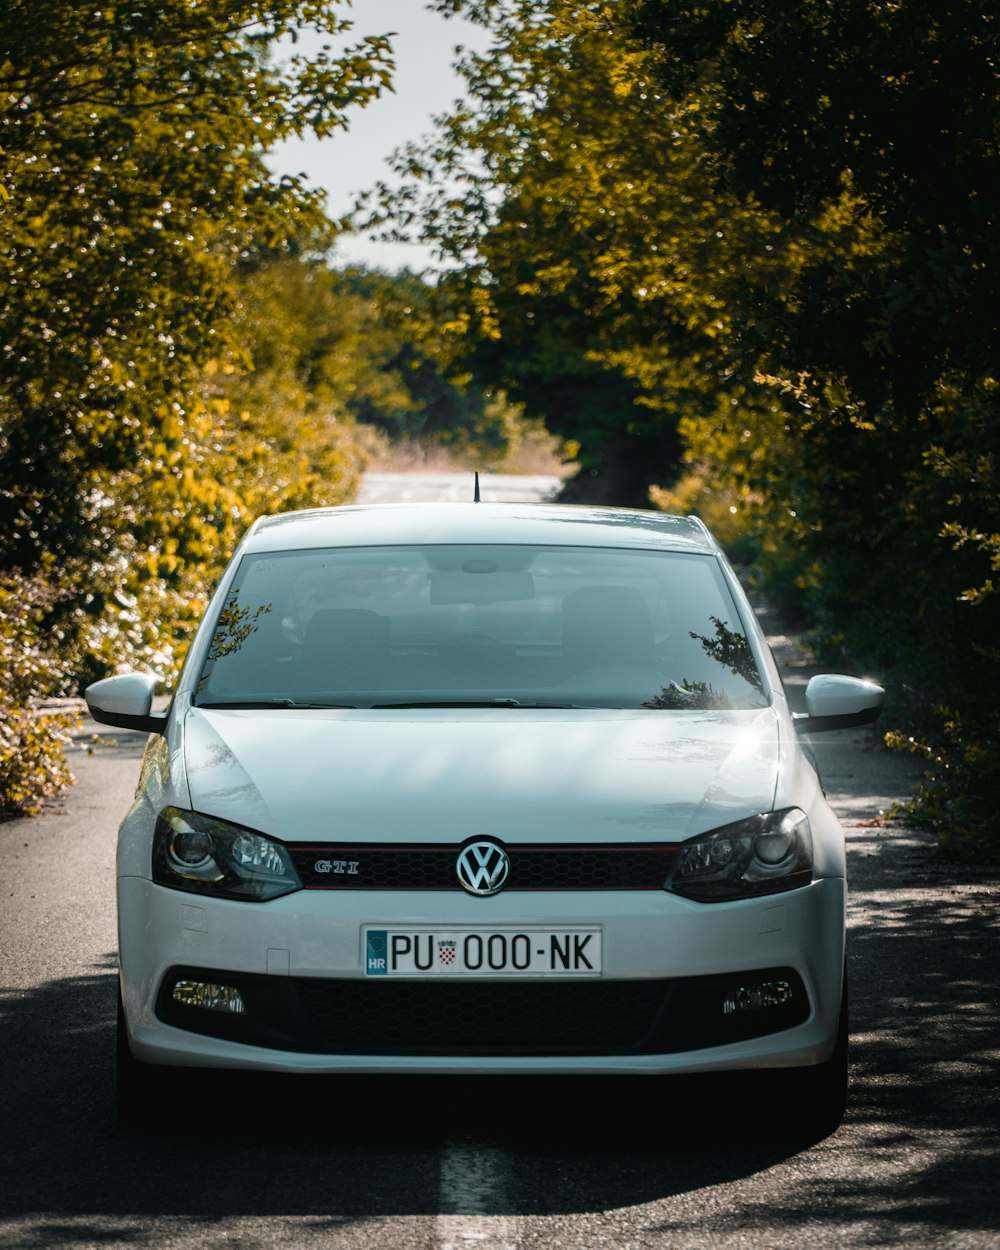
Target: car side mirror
(126, 701)
(836, 702)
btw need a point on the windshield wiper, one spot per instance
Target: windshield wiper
(451, 703)
(446, 703)
(272, 703)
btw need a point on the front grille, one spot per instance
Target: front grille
(357, 1016)
(392, 866)
(477, 1018)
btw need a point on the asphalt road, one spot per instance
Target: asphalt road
(449, 487)
(442, 1165)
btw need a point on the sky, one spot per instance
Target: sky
(425, 84)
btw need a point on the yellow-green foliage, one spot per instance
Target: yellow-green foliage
(134, 192)
(959, 794)
(726, 514)
(32, 740)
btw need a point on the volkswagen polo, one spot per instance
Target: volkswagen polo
(482, 788)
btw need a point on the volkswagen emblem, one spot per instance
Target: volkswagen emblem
(483, 867)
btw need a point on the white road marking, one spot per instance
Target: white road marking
(474, 1182)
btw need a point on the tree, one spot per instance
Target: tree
(568, 200)
(133, 188)
(426, 403)
(873, 129)
(134, 179)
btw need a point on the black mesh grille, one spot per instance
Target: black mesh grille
(477, 1018)
(346, 866)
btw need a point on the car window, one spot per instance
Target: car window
(469, 623)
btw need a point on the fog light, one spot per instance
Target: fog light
(208, 994)
(756, 997)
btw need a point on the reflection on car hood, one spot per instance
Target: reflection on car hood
(444, 776)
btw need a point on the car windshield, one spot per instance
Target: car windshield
(480, 624)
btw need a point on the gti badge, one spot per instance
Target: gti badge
(483, 867)
(348, 866)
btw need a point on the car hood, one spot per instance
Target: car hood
(443, 776)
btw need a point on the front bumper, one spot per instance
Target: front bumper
(670, 965)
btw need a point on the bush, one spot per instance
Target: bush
(959, 796)
(32, 741)
(726, 512)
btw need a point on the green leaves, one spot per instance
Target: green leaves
(870, 130)
(33, 734)
(135, 190)
(133, 159)
(555, 192)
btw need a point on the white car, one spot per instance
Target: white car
(482, 788)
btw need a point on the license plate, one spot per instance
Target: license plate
(527, 952)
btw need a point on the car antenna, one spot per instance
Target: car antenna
(475, 493)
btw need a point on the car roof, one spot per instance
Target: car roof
(380, 525)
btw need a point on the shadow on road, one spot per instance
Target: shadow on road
(917, 1154)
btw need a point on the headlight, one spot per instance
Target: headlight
(762, 855)
(209, 856)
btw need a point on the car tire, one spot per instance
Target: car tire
(140, 1086)
(816, 1097)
